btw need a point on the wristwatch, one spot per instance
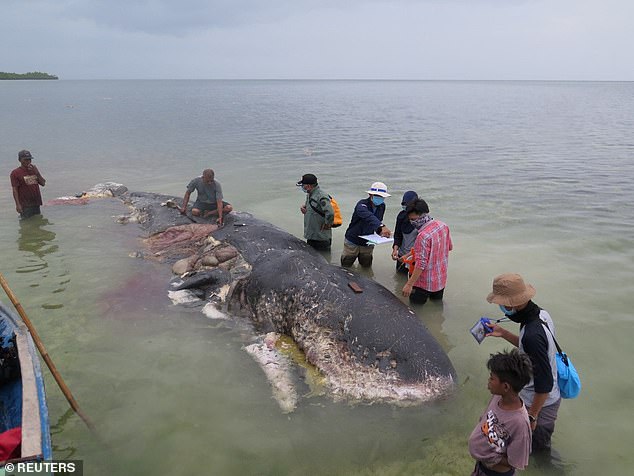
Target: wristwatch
(531, 418)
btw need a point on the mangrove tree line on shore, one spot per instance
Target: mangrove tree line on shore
(31, 75)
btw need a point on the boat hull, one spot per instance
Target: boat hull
(23, 400)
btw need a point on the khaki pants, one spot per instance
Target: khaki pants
(351, 252)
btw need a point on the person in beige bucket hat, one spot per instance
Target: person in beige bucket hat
(541, 395)
(510, 290)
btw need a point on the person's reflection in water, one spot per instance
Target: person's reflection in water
(37, 242)
(433, 316)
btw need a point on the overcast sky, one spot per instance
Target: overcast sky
(366, 39)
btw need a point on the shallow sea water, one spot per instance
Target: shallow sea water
(532, 177)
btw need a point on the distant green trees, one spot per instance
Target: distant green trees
(31, 75)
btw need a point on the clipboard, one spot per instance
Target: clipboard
(376, 239)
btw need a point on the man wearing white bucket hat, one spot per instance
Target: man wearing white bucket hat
(366, 219)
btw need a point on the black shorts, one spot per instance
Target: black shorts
(320, 245)
(30, 211)
(420, 296)
(481, 469)
(207, 207)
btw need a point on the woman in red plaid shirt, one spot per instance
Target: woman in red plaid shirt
(431, 255)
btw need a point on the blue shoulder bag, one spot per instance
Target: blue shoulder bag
(567, 377)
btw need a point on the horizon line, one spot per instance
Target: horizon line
(354, 79)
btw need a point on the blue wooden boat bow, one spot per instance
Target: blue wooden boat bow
(23, 400)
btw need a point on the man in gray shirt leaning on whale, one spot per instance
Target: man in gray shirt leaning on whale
(209, 199)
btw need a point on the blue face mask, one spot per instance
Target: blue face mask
(404, 207)
(506, 311)
(302, 189)
(377, 200)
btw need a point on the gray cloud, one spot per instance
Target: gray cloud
(179, 17)
(406, 39)
(169, 17)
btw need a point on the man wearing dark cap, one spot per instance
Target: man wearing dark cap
(318, 214)
(536, 338)
(404, 233)
(26, 181)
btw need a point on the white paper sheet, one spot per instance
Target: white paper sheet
(376, 239)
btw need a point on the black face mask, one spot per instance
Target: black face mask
(530, 312)
(515, 319)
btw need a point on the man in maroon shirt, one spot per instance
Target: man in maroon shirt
(26, 181)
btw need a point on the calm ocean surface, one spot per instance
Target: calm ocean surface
(532, 177)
